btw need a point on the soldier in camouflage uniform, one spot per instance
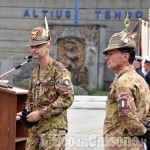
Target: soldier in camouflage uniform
(50, 95)
(128, 101)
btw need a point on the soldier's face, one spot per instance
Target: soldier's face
(146, 66)
(39, 51)
(136, 64)
(116, 60)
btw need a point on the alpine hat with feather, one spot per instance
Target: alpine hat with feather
(38, 36)
(119, 41)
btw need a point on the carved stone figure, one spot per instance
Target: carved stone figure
(82, 78)
(71, 54)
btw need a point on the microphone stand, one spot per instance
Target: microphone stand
(17, 67)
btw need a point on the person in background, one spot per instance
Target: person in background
(128, 101)
(50, 95)
(137, 65)
(147, 70)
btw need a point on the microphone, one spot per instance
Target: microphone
(28, 57)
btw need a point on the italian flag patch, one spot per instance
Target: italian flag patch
(123, 103)
(66, 82)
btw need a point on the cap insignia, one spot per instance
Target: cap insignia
(34, 35)
(126, 40)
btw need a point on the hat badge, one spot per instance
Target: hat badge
(126, 40)
(34, 35)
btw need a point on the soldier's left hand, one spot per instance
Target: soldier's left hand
(34, 116)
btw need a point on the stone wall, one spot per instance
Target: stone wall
(19, 17)
(78, 47)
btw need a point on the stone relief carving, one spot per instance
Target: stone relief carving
(55, 32)
(82, 78)
(71, 52)
(89, 33)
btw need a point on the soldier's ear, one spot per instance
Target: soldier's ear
(126, 56)
(48, 46)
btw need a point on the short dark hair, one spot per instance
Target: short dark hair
(131, 52)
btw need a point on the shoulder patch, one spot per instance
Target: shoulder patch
(123, 107)
(123, 103)
(66, 82)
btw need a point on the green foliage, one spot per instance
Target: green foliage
(100, 93)
(91, 91)
(74, 81)
(79, 90)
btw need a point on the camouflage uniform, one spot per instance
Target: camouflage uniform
(126, 109)
(51, 94)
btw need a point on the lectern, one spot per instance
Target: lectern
(12, 133)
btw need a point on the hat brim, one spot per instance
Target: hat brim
(34, 43)
(131, 44)
(137, 60)
(146, 61)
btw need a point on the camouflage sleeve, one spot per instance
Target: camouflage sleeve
(65, 92)
(127, 112)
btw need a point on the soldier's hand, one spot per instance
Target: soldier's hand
(19, 113)
(23, 119)
(34, 116)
